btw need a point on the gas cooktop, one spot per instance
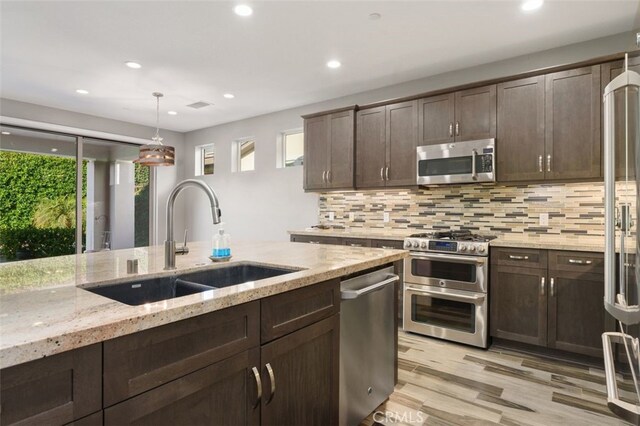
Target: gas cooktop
(452, 241)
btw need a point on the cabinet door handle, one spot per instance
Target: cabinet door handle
(256, 375)
(457, 128)
(324, 176)
(580, 262)
(540, 163)
(386, 173)
(329, 176)
(549, 162)
(381, 173)
(272, 379)
(542, 286)
(450, 130)
(553, 287)
(514, 257)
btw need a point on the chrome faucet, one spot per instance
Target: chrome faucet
(170, 244)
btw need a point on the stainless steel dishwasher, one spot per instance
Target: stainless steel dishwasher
(367, 337)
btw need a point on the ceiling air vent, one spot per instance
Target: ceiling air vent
(198, 105)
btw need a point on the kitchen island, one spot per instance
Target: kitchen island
(134, 362)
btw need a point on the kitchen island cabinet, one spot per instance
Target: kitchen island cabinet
(263, 352)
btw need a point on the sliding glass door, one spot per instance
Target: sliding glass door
(65, 194)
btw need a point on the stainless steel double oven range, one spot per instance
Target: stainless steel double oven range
(446, 286)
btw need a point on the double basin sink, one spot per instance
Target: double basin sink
(142, 291)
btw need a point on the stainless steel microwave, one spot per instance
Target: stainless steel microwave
(457, 162)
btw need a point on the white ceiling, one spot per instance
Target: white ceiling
(275, 59)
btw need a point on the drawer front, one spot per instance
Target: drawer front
(290, 311)
(524, 258)
(138, 362)
(54, 390)
(356, 242)
(312, 239)
(388, 244)
(576, 261)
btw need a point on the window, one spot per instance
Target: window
(245, 154)
(205, 160)
(293, 148)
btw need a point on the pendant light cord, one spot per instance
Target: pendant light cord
(157, 137)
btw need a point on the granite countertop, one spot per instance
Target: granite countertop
(533, 241)
(376, 234)
(44, 310)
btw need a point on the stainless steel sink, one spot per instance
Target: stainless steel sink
(141, 291)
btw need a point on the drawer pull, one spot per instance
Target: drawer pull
(513, 257)
(314, 242)
(355, 245)
(387, 247)
(272, 379)
(580, 262)
(256, 375)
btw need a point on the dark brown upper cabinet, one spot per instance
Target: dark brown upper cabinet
(476, 113)
(436, 117)
(611, 70)
(386, 145)
(461, 116)
(572, 124)
(520, 143)
(329, 150)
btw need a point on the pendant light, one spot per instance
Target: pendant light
(155, 153)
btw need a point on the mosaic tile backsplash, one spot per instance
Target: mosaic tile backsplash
(573, 208)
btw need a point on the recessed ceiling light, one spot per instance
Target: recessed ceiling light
(530, 5)
(134, 65)
(6, 133)
(243, 10)
(334, 64)
(82, 91)
(54, 149)
(172, 113)
(229, 95)
(375, 16)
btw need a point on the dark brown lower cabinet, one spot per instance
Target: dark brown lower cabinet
(55, 390)
(95, 419)
(577, 317)
(518, 304)
(312, 239)
(300, 376)
(558, 307)
(224, 393)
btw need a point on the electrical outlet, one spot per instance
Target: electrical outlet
(385, 217)
(544, 219)
(352, 216)
(332, 216)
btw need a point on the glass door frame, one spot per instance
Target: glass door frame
(79, 174)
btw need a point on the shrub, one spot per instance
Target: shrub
(30, 242)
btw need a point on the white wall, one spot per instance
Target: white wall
(167, 177)
(264, 204)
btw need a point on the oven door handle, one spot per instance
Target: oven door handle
(463, 259)
(448, 296)
(354, 294)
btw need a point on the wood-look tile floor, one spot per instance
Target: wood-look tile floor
(443, 383)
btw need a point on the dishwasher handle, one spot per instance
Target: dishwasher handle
(354, 294)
